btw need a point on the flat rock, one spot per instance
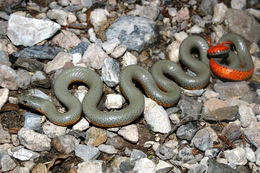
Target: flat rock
(109, 149)
(213, 103)
(66, 39)
(34, 141)
(80, 48)
(87, 152)
(129, 133)
(58, 62)
(215, 167)
(52, 130)
(38, 52)
(38, 30)
(136, 33)
(222, 114)
(240, 22)
(7, 163)
(96, 136)
(22, 154)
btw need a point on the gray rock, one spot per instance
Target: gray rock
(34, 141)
(136, 155)
(110, 45)
(65, 143)
(109, 149)
(232, 132)
(4, 93)
(39, 93)
(246, 115)
(38, 52)
(22, 154)
(150, 12)
(5, 136)
(58, 62)
(80, 48)
(236, 156)
(110, 72)
(240, 22)
(257, 154)
(28, 31)
(86, 152)
(211, 153)
(253, 133)
(187, 131)
(32, 121)
(185, 154)
(215, 167)
(125, 166)
(40, 79)
(164, 152)
(231, 89)
(238, 4)
(219, 13)
(222, 114)
(256, 109)
(144, 165)
(52, 130)
(98, 18)
(135, 33)
(8, 78)
(59, 15)
(66, 39)
(189, 107)
(91, 166)
(3, 28)
(206, 6)
(31, 65)
(7, 163)
(204, 139)
(4, 60)
(23, 79)
(87, 3)
(250, 155)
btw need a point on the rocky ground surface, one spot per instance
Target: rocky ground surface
(215, 129)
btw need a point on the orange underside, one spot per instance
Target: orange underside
(228, 73)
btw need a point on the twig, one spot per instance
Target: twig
(226, 141)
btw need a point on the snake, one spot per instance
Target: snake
(162, 84)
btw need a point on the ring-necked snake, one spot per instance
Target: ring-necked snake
(158, 85)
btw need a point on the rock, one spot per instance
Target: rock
(211, 153)
(118, 142)
(136, 155)
(144, 165)
(118, 51)
(231, 132)
(65, 143)
(34, 141)
(220, 10)
(185, 154)
(82, 125)
(114, 101)
(40, 79)
(250, 155)
(59, 15)
(204, 138)
(231, 89)
(92, 35)
(110, 45)
(58, 62)
(246, 115)
(22, 154)
(8, 78)
(215, 167)
(94, 56)
(121, 164)
(7, 163)
(187, 131)
(4, 60)
(206, 7)
(257, 154)
(80, 48)
(183, 14)
(209, 94)
(254, 12)
(156, 117)
(4, 92)
(31, 65)
(222, 114)
(189, 107)
(37, 52)
(129, 132)
(3, 28)
(180, 36)
(32, 121)
(129, 59)
(39, 93)
(66, 39)
(19, 169)
(214, 104)
(163, 166)
(52, 130)
(91, 166)
(238, 4)
(173, 51)
(252, 133)
(164, 152)
(39, 30)
(149, 12)
(195, 30)
(5, 136)
(40, 168)
(109, 149)
(240, 22)
(136, 33)
(96, 136)
(236, 156)
(23, 79)
(86, 152)
(110, 72)
(98, 18)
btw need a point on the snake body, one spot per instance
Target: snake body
(158, 85)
